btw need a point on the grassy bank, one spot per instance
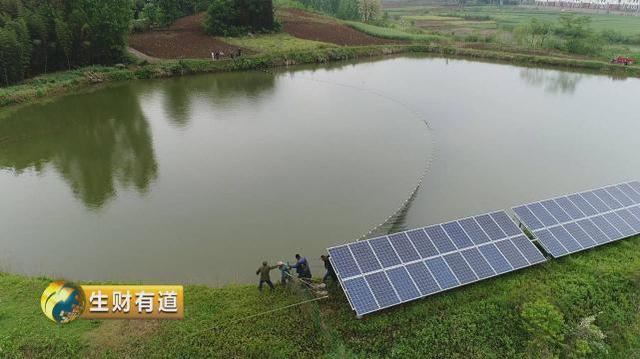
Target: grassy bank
(585, 305)
(64, 82)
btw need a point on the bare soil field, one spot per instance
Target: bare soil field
(309, 26)
(183, 39)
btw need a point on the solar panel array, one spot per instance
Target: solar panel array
(573, 223)
(389, 270)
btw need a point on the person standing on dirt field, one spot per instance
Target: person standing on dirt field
(264, 275)
(302, 267)
(329, 267)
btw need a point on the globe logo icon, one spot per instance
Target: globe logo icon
(62, 302)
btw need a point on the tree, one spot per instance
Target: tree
(534, 33)
(349, 10)
(222, 19)
(64, 40)
(369, 10)
(234, 17)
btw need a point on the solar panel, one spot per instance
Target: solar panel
(385, 271)
(573, 223)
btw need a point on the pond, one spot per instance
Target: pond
(199, 179)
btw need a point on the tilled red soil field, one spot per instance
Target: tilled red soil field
(308, 26)
(183, 39)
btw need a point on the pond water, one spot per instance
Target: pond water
(198, 179)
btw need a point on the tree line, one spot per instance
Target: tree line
(359, 10)
(39, 36)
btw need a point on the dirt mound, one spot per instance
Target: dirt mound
(184, 39)
(309, 26)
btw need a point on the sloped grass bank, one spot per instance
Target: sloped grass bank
(584, 305)
(581, 306)
(64, 82)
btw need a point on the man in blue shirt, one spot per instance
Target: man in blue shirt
(302, 267)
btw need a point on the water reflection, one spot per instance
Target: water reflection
(551, 81)
(97, 142)
(179, 93)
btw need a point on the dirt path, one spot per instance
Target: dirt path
(141, 56)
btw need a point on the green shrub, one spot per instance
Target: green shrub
(235, 17)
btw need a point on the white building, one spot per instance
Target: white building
(614, 5)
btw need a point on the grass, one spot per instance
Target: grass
(26, 332)
(478, 321)
(276, 43)
(391, 33)
(509, 17)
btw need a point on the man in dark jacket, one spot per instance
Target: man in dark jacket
(302, 267)
(264, 275)
(329, 267)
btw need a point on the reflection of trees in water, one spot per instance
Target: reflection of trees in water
(552, 81)
(96, 141)
(217, 89)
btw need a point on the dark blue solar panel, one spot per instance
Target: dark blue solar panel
(443, 275)
(566, 239)
(629, 192)
(607, 199)
(512, 254)
(584, 206)
(474, 231)
(384, 252)
(495, 258)
(606, 227)
(343, 262)
(580, 235)
(363, 254)
(490, 226)
(457, 235)
(422, 243)
(506, 224)
(460, 268)
(595, 201)
(543, 215)
(550, 243)
(620, 196)
(630, 219)
(528, 249)
(360, 295)
(403, 247)
(635, 185)
(620, 224)
(569, 208)
(423, 278)
(635, 211)
(528, 218)
(593, 231)
(440, 239)
(478, 263)
(382, 289)
(403, 284)
(558, 213)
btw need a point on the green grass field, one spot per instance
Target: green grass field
(276, 43)
(511, 16)
(391, 33)
(543, 311)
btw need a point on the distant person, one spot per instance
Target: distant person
(329, 267)
(285, 272)
(264, 275)
(302, 267)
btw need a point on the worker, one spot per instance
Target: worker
(329, 267)
(265, 277)
(302, 267)
(285, 272)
